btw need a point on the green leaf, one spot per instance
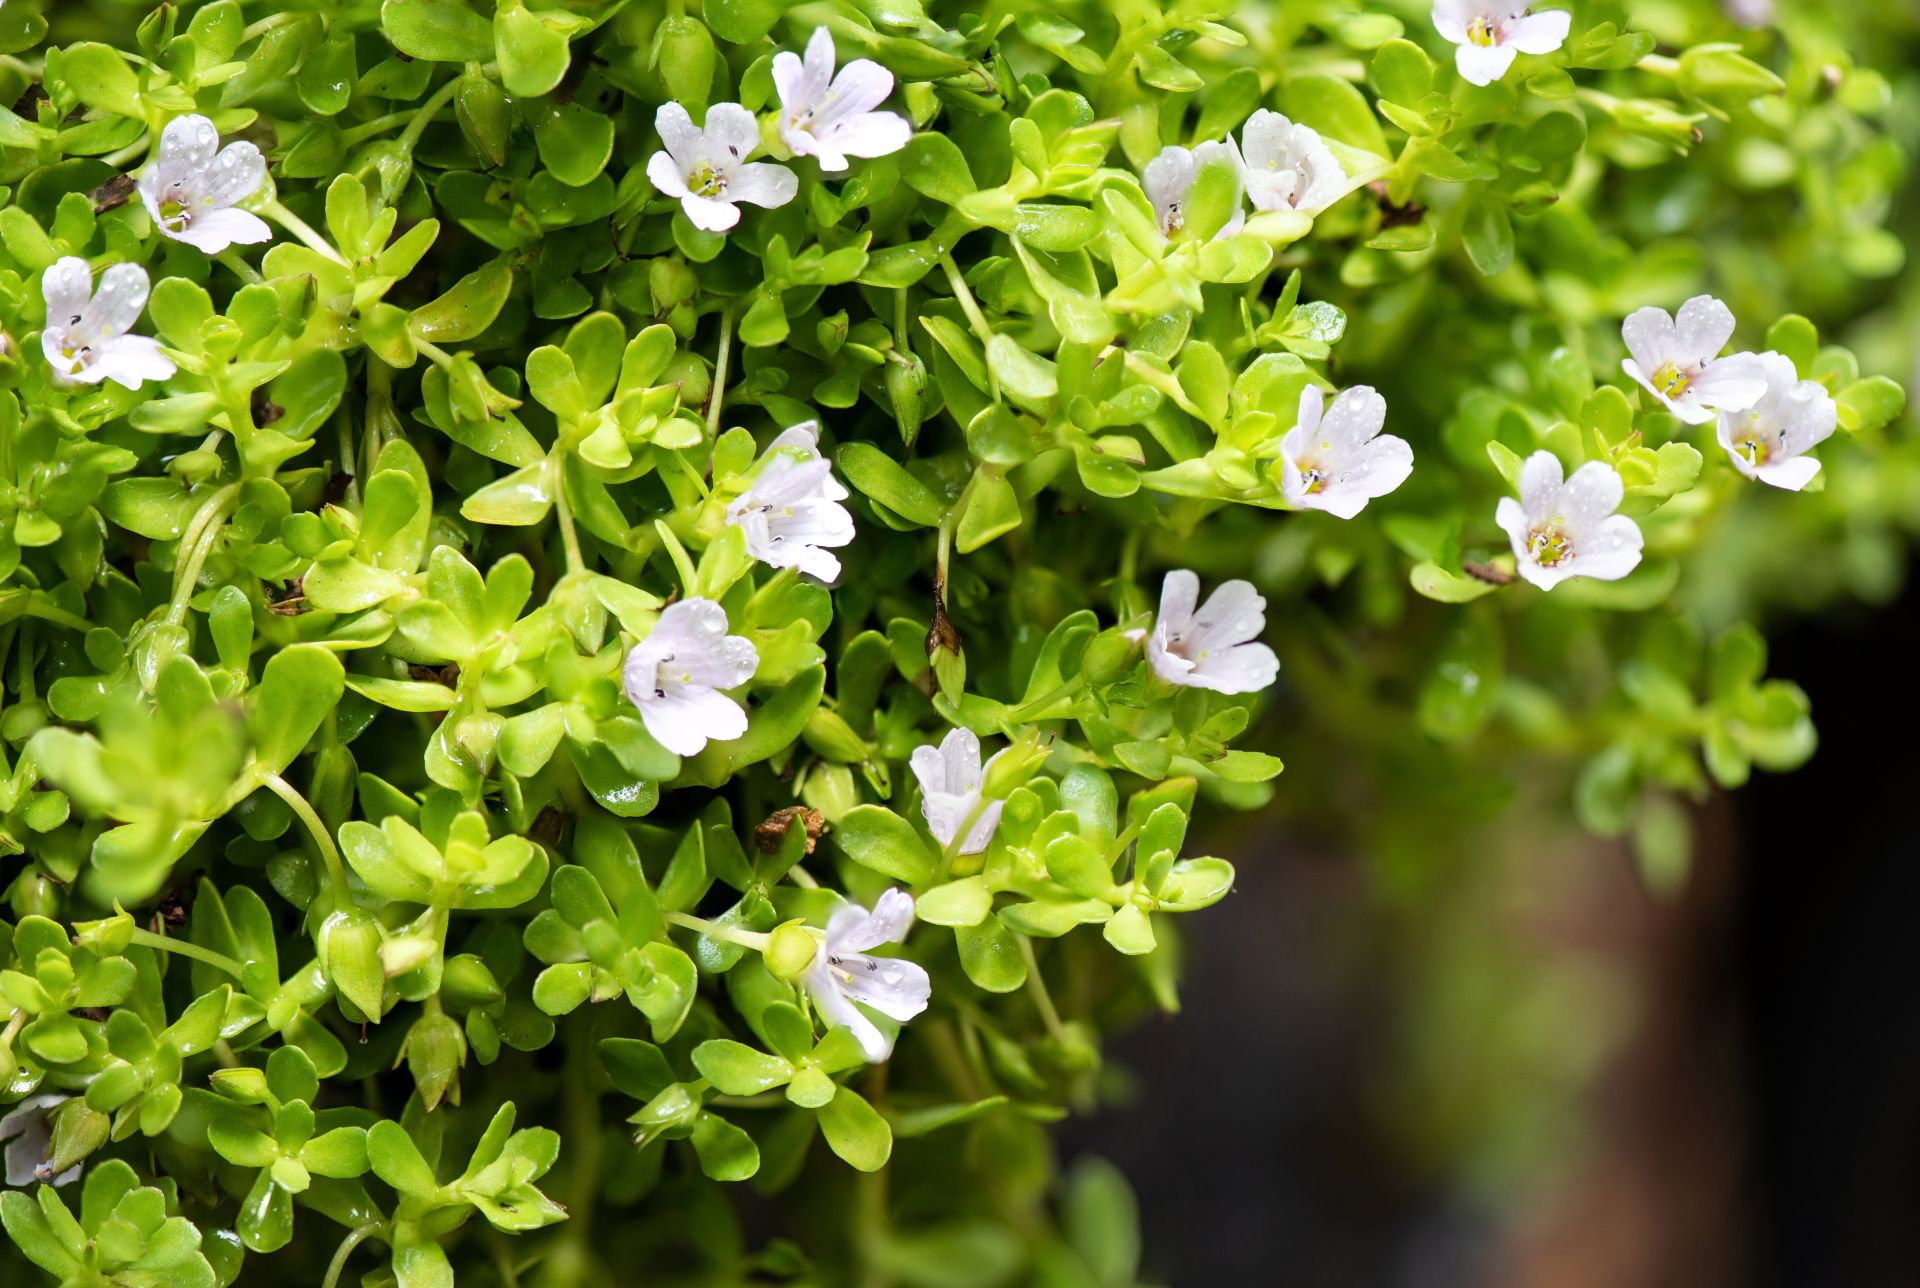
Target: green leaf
(443, 31)
(876, 837)
(855, 1131)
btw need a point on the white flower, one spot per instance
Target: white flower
(1217, 647)
(1769, 441)
(27, 1130)
(1674, 360)
(1490, 33)
(86, 338)
(1339, 461)
(1561, 530)
(675, 676)
(842, 974)
(1288, 166)
(792, 510)
(1169, 177)
(707, 167)
(831, 118)
(950, 778)
(193, 184)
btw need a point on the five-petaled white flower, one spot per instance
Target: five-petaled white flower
(792, 512)
(27, 1130)
(1339, 460)
(706, 167)
(950, 778)
(843, 977)
(1287, 166)
(1769, 440)
(1569, 529)
(1216, 647)
(86, 337)
(1170, 175)
(831, 118)
(1674, 360)
(677, 673)
(1490, 33)
(193, 185)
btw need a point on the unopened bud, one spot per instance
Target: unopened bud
(790, 950)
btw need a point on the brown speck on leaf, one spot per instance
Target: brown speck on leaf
(769, 835)
(448, 675)
(265, 410)
(546, 827)
(1486, 572)
(290, 602)
(172, 910)
(114, 192)
(941, 634)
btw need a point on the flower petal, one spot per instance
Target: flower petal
(730, 132)
(764, 184)
(679, 135)
(684, 718)
(1594, 492)
(1179, 594)
(1540, 477)
(1732, 383)
(190, 139)
(1538, 33)
(1792, 474)
(888, 923)
(1650, 337)
(1482, 64)
(871, 134)
(1703, 327)
(130, 359)
(66, 287)
(213, 231)
(707, 214)
(236, 174)
(1609, 553)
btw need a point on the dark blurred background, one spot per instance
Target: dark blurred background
(1716, 1087)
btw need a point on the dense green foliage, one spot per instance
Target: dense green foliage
(372, 918)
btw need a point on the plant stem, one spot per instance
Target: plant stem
(718, 396)
(300, 228)
(568, 537)
(745, 938)
(1037, 985)
(186, 948)
(355, 1237)
(329, 853)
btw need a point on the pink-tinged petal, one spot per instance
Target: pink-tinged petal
(664, 173)
(1703, 327)
(789, 82)
(960, 759)
(687, 718)
(871, 134)
(131, 359)
(189, 139)
(1450, 19)
(1354, 417)
(1179, 594)
(215, 230)
(116, 304)
(840, 1012)
(1538, 33)
(1732, 383)
(1234, 612)
(679, 135)
(888, 923)
(1166, 180)
(1650, 338)
(1792, 474)
(709, 215)
(861, 86)
(1244, 668)
(236, 174)
(66, 287)
(1380, 467)
(1609, 553)
(1730, 423)
(1482, 64)
(764, 184)
(1540, 477)
(1594, 492)
(1168, 665)
(896, 988)
(1512, 518)
(819, 65)
(731, 132)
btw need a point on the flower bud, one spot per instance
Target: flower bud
(671, 282)
(1721, 75)
(107, 937)
(467, 983)
(436, 1048)
(35, 894)
(1110, 656)
(683, 55)
(906, 380)
(833, 738)
(78, 1130)
(1010, 769)
(243, 1083)
(349, 943)
(790, 950)
(674, 1109)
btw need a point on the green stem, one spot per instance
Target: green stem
(975, 318)
(355, 1237)
(745, 938)
(569, 539)
(38, 605)
(240, 268)
(300, 229)
(718, 396)
(1045, 700)
(185, 948)
(1037, 985)
(329, 853)
(188, 574)
(428, 110)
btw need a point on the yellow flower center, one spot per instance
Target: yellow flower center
(1480, 31)
(1672, 379)
(1754, 444)
(707, 182)
(1548, 546)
